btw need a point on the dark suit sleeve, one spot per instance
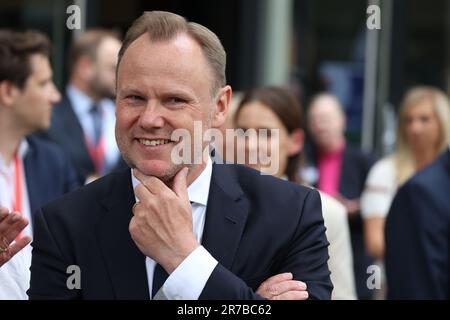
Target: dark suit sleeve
(49, 266)
(306, 258)
(308, 255)
(413, 240)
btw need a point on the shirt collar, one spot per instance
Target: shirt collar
(81, 103)
(23, 149)
(198, 191)
(21, 152)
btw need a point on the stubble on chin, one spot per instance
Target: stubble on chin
(166, 177)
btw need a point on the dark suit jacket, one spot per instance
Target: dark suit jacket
(355, 168)
(256, 226)
(418, 235)
(66, 131)
(48, 172)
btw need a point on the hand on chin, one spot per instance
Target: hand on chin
(157, 168)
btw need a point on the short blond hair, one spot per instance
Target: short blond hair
(164, 26)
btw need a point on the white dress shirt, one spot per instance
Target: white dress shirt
(7, 187)
(82, 105)
(15, 274)
(187, 281)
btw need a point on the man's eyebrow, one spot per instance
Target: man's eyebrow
(176, 92)
(43, 79)
(129, 89)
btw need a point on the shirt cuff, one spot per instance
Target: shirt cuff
(188, 280)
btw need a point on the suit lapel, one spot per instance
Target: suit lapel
(124, 261)
(74, 132)
(446, 161)
(226, 215)
(32, 171)
(345, 169)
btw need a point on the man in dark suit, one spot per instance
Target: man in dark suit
(45, 164)
(32, 171)
(418, 235)
(83, 122)
(170, 229)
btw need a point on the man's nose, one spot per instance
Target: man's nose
(152, 116)
(55, 96)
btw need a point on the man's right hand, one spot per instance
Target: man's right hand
(11, 224)
(283, 287)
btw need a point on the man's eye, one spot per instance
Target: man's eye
(134, 97)
(176, 100)
(44, 83)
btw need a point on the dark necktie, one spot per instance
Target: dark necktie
(97, 121)
(159, 277)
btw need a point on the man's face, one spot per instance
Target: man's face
(33, 103)
(163, 86)
(103, 80)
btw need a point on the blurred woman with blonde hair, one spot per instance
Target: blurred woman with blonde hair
(423, 133)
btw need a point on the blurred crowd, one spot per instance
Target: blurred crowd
(387, 219)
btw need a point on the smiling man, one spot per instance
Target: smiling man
(189, 231)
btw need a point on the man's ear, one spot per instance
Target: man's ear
(221, 105)
(8, 93)
(296, 142)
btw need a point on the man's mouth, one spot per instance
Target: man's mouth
(154, 142)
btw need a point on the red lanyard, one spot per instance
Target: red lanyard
(17, 204)
(97, 153)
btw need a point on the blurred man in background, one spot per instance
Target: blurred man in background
(32, 171)
(83, 122)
